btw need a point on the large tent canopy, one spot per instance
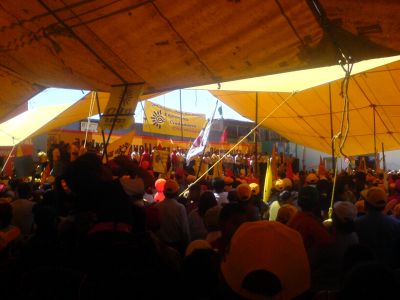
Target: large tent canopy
(94, 44)
(313, 116)
(17, 129)
(35, 122)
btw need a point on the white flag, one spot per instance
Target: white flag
(199, 143)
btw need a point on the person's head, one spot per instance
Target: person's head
(190, 179)
(287, 184)
(233, 196)
(228, 180)
(171, 188)
(308, 198)
(279, 185)
(376, 199)
(285, 213)
(218, 184)
(201, 267)
(396, 211)
(255, 189)
(83, 177)
(24, 190)
(244, 192)
(344, 214)
(133, 187)
(206, 201)
(285, 197)
(266, 260)
(194, 192)
(231, 216)
(5, 214)
(312, 179)
(45, 218)
(211, 218)
(113, 204)
(370, 280)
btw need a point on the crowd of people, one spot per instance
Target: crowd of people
(93, 230)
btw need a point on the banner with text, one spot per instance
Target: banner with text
(160, 160)
(129, 95)
(122, 146)
(164, 120)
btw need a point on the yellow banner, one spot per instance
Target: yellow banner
(124, 117)
(160, 160)
(122, 146)
(164, 120)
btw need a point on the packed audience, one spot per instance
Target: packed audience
(85, 229)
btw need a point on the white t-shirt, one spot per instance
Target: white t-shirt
(222, 198)
(273, 210)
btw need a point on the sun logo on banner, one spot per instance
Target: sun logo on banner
(157, 118)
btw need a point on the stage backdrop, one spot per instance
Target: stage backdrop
(163, 120)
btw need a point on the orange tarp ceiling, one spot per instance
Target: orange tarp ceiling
(166, 44)
(306, 119)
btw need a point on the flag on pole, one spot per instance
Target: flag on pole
(268, 182)
(274, 162)
(224, 136)
(220, 112)
(289, 170)
(200, 143)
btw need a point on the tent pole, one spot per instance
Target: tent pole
(180, 105)
(115, 118)
(385, 175)
(375, 151)
(383, 159)
(255, 162)
(102, 130)
(331, 117)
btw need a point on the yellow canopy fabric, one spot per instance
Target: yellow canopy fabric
(306, 117)
(35, 122)
(297, 80)
(168, 44)
(80, 111)
(24, 125)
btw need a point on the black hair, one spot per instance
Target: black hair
(285, 195)
(206, 201)
(230, 210)
(347, 226)
(5, 214)
(233, 196)
(308, 198)
(262, 282)
(195, 187)
(218, 184)
(370, 207)
(24, 190)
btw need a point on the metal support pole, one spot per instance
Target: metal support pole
(256, 140)
(102, 130)
(180, 105)
(375, 151)
(331, 117)
(115, 118)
